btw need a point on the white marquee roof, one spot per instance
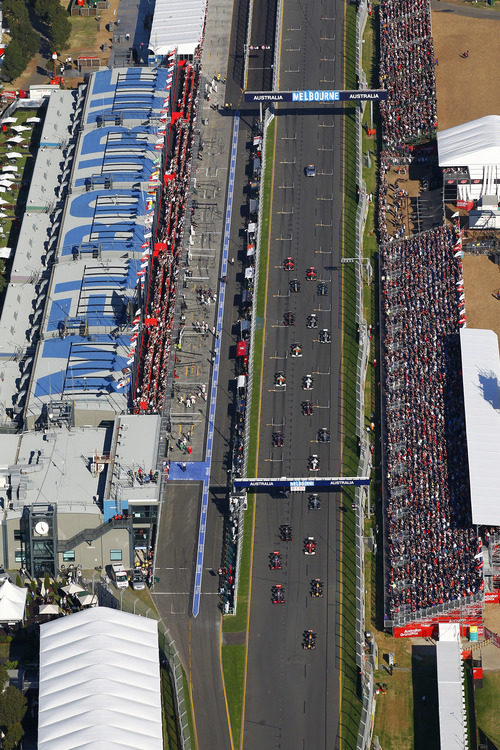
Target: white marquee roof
(481, 384)
(452, 727)
(12, 602)
(99, 682)
(474, 143)
(177, 26)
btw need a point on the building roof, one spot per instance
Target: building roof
(99, 682)
(452, 723)
(177, 26)
(55, 467)
(481, 379)
(473, 143)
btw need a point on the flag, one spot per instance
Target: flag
(133, 338)
(454, 216)
(140, 273)
(130, 361)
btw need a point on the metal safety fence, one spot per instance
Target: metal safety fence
(364, 467)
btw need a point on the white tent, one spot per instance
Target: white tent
(481, 379)
(99, 682)
(473, 143)
(16, 139)
(13, 155)
(20, 128)
(5, 253)
(32, 119)
(10, 168)
(8, 119)
(177, 26)
(12, 602)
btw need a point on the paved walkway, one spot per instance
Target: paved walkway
(465, 9)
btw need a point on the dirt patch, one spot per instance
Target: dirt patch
(481, 280)
(464, 85)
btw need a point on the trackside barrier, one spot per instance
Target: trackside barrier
(277, 45)
(247, 43)
(361, 494)
(127, 601)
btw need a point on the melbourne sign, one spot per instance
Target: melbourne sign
(319, 95)
(286, 483)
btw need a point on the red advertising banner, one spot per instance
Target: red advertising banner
(415, 630)
(477, 673)
(468, 205)
(492, 597)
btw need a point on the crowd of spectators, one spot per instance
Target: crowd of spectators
(432, 548)
(431, 544)
(156, 341)
(407, 72)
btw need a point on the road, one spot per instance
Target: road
(292, 696)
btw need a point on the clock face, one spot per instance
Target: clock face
(42, 528)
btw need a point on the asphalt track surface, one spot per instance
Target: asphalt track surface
(292, 696)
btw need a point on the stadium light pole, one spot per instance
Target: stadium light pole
(54, 57)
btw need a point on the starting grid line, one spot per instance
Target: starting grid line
(215, 375)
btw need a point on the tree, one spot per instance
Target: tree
(12, 706)
(13, 737)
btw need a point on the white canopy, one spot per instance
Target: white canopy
(13, 155)
(474, 143)
(32, 119)
(16, 139)
(99, 682)
(177, 26)
(5, 252)
(48, 609)
(481, 384)
(12, 602)
(8, 119)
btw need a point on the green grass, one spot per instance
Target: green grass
(233, 663)
(189, 711)
(351, 703)
(488, 715)
(171, 734)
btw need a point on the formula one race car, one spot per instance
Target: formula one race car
(322, 289)
(286, 533)
(311, 274)
(307, 408)
(289, 318)
(307, 383)
(323, 435)
(278, 439)
(296, 350)
(312, 321)
(314, 503)
(278, 594)
(275, 561)
(295, 285)
(289, 264)
(279, 379)
(309, 546)
(325, 336)
(316, 588)
(313, 462)
(309, 639)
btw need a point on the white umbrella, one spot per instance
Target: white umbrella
(20, 128)
(86, 599)
(8, 119)
(7, 179)
(2, 215)
(48, 609)
(14, 155)
(30, 119)
(3, 202)
(72, 588)
(15, 139)
(9, 168)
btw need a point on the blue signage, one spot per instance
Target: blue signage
(316, 96)
(286, 483)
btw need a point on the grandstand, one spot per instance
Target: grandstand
(434, 470)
